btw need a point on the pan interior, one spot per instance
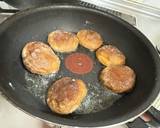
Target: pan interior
(98, 98)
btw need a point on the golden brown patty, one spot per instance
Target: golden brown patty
(119, 79)
(65, 95)
(39, 58)
(89, 39)
(110, 55)
(62, 41)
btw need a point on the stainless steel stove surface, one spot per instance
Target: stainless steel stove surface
(11, 117)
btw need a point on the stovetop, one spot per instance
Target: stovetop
(12, 117)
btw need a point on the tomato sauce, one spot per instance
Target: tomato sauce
(78, 63)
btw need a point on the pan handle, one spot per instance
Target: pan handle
(150, 119)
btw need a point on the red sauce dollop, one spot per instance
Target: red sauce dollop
(79, 63)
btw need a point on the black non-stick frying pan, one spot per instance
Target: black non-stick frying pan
(35, 24)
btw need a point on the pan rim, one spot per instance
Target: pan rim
(70, 122)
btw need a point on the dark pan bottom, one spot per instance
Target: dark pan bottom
(97, 99)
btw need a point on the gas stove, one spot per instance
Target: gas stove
(10, 116)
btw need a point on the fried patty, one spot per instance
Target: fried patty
(89, 39)
(62, 41)
(39, 58)
(119, 79)
(66, 94)
(110, 55)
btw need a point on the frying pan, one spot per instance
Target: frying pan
(35, 24)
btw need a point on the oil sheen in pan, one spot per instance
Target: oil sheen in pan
(97, 97)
